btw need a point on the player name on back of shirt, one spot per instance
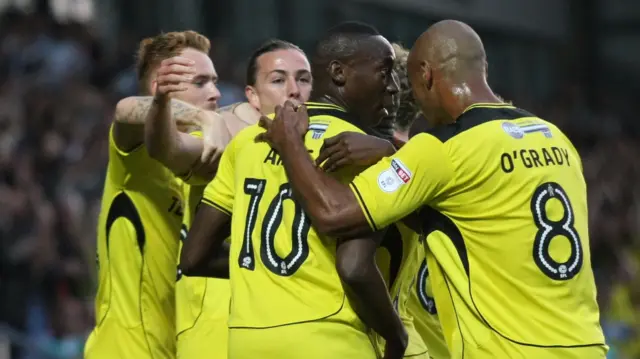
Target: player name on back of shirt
(534, 157)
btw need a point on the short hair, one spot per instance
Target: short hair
(408, 110)
(268, 46)
(154, 50)
(341, 42)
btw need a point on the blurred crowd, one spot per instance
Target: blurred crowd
(57, 90)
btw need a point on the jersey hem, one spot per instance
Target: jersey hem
(295, 323)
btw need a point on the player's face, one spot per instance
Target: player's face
(202, 90)
(389, 118)
(370, 84)
(282, 75)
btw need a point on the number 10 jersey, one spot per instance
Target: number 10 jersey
(281, 270)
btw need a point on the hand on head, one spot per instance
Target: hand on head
(173, 74)
(290, 123)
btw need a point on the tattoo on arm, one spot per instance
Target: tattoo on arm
(183, 111)
(135, 114)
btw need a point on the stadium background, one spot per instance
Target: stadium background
(64, 64)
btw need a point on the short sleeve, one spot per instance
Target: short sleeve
(396, 186)
(219, 193)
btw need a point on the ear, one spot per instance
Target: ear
(427, 74)
(252, 96)
(337, 71)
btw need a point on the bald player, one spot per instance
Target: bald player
(503, 205)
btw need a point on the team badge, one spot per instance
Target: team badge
(318, 130)
(513, 130)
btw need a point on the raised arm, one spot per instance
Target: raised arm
(165, 142)
(131, 115)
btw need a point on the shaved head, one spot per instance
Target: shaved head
(447, 67)
(450, 45)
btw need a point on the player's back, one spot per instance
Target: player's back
(287, 297)
(138, 229)
(516, 241)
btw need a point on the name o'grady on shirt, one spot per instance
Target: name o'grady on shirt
(534, 157)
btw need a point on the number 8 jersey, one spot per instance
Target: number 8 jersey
(281, 270)
(506, 221)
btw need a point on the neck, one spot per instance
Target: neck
(333, 96)
(329, 95)
(468, 94)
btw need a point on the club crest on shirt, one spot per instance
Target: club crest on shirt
(392, 178)
(513, 130)
(518, 131)
(318, 130)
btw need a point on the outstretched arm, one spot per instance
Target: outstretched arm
(331, 205)
(418, 174)
(131, 115)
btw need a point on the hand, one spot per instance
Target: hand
(352, 149)
(215, 136)
(290, 122)
(172, 75)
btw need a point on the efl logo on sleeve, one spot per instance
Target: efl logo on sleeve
(392, 178)
(401, 170)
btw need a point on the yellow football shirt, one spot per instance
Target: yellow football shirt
(422, 308)
(202, 304)
(506, 221)
(397, 258)
(281, 270)
(138, 229)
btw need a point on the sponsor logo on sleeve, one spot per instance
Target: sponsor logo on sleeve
(394, 177)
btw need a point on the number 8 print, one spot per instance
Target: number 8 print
(548, 229)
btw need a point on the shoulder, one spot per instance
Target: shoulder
(330, 119)
(476, 116)
(246, 135)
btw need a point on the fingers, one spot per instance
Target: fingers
(326, 151)
(166, 89)
(177, 65)
(173, 73)
(289, 106)
(173, 79)
(336, 165)
(331, 141)
(302, 109)
(265, 122)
